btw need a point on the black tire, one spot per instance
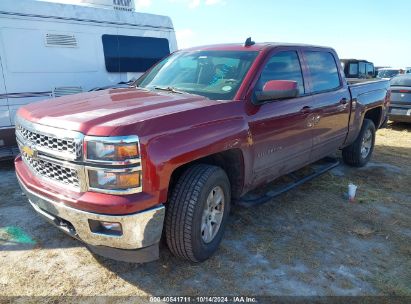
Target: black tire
(352, 154)
(185, 210)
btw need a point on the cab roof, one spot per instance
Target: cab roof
(255, 47)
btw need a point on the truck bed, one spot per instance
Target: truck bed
(353, 81)
(358, 87)
(367, 95)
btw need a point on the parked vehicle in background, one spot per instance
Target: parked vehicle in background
(354, 68)
(199, 131)
(388, 73)
(50, 50)
(408, 70)
(400, 108)
(377, 68)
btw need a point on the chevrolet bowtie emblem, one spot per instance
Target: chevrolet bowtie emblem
(30, 151)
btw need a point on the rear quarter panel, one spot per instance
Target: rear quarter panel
(367, 96)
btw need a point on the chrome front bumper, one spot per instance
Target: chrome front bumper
(139, 230)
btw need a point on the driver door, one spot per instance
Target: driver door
(282, 137)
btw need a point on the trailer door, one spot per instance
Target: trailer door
(4, 109)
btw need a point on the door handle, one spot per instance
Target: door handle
(343, 101)
(306, 109)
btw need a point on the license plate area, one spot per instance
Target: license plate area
(399, 111)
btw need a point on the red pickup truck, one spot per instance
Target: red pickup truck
(117, 168)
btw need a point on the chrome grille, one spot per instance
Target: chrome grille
(49, 142)
(52, 171)
(59, 143)
(56, 155)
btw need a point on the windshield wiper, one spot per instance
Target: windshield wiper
(169, 89)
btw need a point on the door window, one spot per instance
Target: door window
(323, 71)
(282, 66)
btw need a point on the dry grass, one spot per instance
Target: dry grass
(309, 241)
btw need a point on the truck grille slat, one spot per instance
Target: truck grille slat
(56, 155)
(48, 142)
(52, 153)
(54, 172)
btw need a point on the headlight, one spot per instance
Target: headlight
(128, 180)
(114, 164)
(112, 149)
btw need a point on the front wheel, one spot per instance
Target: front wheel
(359, 152)
(197, 212)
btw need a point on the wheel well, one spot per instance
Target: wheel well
(231, 161)
(374, 115)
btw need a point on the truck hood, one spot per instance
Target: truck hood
(100, 113)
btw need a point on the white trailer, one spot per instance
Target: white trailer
(52, 49)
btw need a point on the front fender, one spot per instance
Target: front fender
(167, 152)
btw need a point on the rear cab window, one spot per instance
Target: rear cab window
(323, 70)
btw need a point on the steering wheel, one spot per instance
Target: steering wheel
(224, 68)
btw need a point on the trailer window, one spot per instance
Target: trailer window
(323, 71)
(133, 54)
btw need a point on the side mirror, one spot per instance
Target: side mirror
(277, 89)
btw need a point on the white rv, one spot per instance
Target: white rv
(52, 49)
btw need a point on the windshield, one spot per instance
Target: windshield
(403, 81)
(213, 74)
(387, 73)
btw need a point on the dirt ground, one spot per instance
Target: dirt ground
(309, 241)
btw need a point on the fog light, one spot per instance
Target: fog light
(108, 228)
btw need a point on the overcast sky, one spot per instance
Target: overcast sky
(376, 30)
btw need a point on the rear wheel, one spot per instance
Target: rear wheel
(359, 152)
(197, 212)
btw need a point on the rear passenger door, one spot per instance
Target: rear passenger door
(330, 107)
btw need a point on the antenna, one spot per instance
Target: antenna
(249, 42)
